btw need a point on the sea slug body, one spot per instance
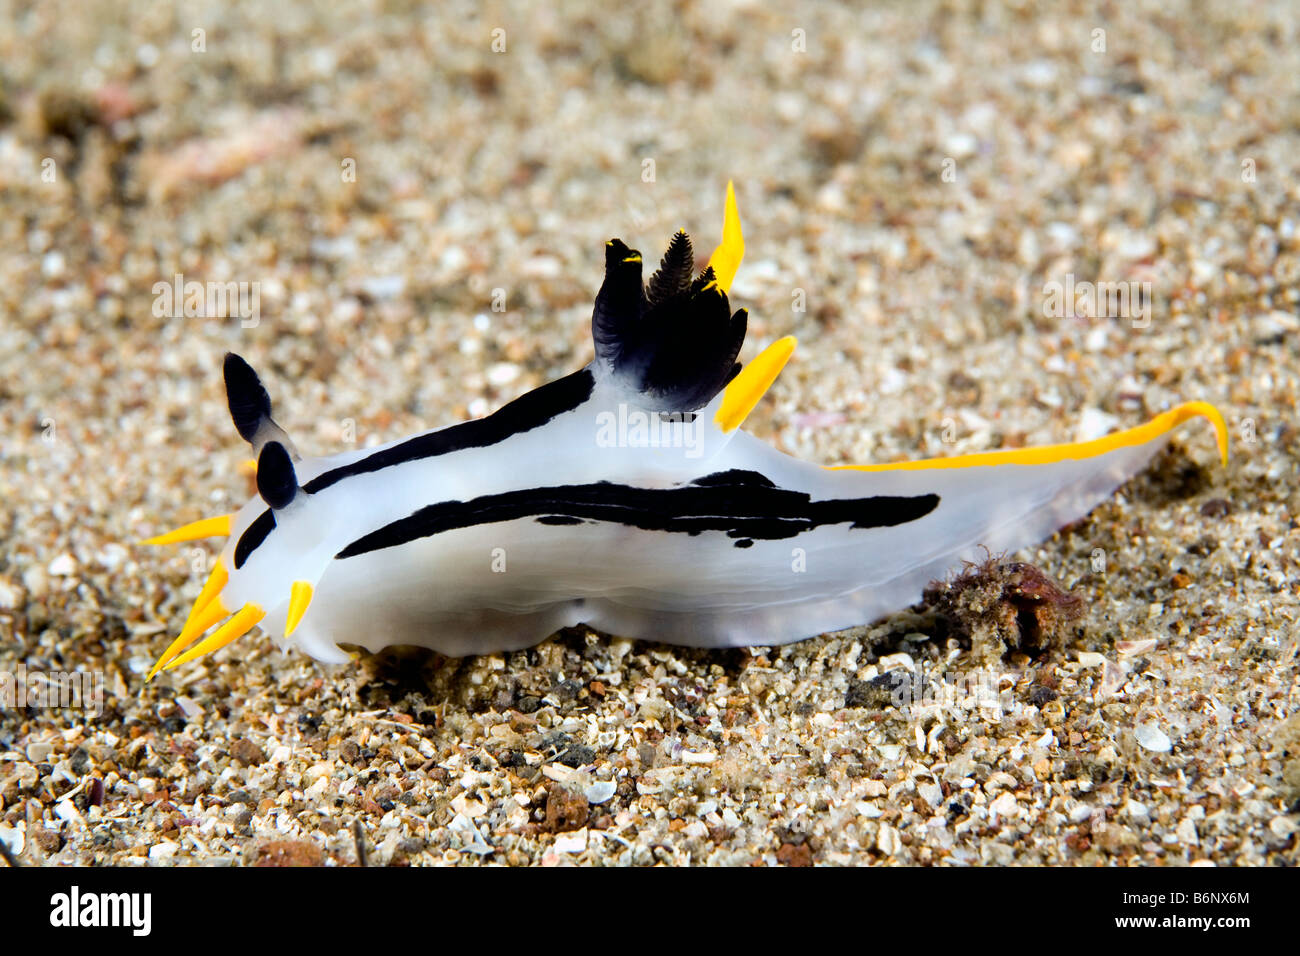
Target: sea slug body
(623, 496)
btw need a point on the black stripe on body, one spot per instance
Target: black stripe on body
(747, 507)
(253, 535)
(528, 411)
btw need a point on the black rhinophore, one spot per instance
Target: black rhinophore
(247, 398)
(277, 482)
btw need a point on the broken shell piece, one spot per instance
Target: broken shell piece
(1153, 738)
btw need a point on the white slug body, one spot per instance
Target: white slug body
(624, 497)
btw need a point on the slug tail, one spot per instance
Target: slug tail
(1008, 500)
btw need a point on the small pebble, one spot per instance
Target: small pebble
(1153, 738)
(39, 752)
(10, 594)
(601, 791)
(574, 842)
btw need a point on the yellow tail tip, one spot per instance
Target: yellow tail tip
(299, 599)
(1188, 410)
(752, 383)
(203, 528)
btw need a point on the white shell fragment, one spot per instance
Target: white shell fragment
(1153, 738)
(695, 756)
(601, 791)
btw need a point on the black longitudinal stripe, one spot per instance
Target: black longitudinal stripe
(745, 511)
(254, 535)
(528, 411)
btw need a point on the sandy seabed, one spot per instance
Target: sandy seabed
(912, 178)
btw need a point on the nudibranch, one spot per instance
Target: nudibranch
(623, 496)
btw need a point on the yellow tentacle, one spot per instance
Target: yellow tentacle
(299, 599)
(211, 588)
(198, 623)
(239, 625)
(203, 528)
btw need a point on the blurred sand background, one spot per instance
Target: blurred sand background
(1162, 149)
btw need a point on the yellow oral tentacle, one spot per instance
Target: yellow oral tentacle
(726, 258)
(299, 598)
(198, 624)
(239, 625)
(750, 384)
(211, 588)
(203, 528)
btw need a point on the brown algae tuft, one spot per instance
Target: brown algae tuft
(1003, 608)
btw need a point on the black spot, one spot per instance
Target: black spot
(1216, 508)
(174, 725)
(1042, 695)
